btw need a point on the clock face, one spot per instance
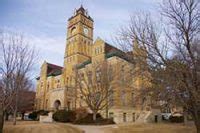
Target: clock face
(86, 31)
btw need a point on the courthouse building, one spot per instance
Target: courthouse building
(56, 85)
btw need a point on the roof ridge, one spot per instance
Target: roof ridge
(108, 44)
(54, 65)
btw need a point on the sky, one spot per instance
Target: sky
(44, 22)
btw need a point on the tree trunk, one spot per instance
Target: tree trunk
(94, 116)
(6, 115)
(107, 112)
(16, 107)
(197, 124)
(185, 118)
(14, 115)
(1, 119)
(22, 116)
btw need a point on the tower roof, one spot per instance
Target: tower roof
(81, 10)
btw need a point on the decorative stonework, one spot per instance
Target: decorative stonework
(56, 84)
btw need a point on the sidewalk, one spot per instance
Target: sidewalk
(95, 129)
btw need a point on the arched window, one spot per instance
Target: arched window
(57, 104)
(67, 80)
(73, 30)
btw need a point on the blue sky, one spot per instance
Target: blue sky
(44, 22)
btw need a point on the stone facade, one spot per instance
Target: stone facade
(56, 87)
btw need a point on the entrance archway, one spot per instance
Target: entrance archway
(57, 104)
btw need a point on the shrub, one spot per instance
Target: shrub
(33, 115)
(64, 116)
(42, 112)
(88, 120)
(176, 119)
(81, 113)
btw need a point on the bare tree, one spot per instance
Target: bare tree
(17, 60)
(172, 52)
(94, 85)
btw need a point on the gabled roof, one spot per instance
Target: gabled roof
(82, 65)
(53, 70)
(109, 48)
(111, 51)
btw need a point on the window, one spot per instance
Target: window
(46, 104)
(41, 85)
(87, 51)
(133, 98)
(58, 83)
(123, 98)
(98, 74)
(122, 74)
(124, 117)
(133, 117)
(48, 86)
(95, 51)
(70, 80)
(67, 80)
(69, 105)
(73, 30)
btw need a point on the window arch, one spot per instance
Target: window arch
(57, 104)
(73, 30)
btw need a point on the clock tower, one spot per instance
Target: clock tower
(79, 40)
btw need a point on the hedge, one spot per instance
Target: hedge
(176, 119)
(35, 114)
(64, 116)
(88, 120)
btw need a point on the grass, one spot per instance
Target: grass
(154, 128)
(36, 127)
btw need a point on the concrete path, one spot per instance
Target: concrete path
(95, 129)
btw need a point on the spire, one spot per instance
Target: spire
(81, 10)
